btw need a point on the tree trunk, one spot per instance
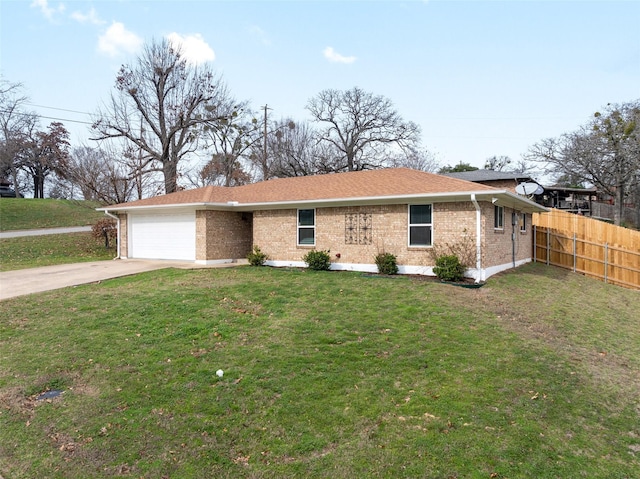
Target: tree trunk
(170, 170)
(618, 212)
(14, 176)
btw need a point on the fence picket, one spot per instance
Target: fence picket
(591, 247)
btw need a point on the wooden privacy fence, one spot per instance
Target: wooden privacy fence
(591, 247)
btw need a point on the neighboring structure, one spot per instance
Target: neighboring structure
(507, 180)
(355, 215)
(573, 200)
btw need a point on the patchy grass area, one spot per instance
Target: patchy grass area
(326, 374)
(34, 251)
(26, 214)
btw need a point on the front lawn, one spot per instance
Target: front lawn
(325, 374)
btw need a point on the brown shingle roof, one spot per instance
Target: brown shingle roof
(388, 182)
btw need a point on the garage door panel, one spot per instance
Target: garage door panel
(163, 236)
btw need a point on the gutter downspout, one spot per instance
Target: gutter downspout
(478, 238)
(117, 218)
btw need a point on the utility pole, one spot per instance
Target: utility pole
(265, 169)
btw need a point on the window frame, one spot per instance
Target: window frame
(411, 225)
(523, 222)
(305, 227)
(498, 218)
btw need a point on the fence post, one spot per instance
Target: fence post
(535, 242)
(606, 261)
(548, 246)
(575, 252)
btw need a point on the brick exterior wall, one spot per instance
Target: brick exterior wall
(275, 231)
(497, 244)
(509, 185)
(356, 233)
(124, 237)
(222, 235)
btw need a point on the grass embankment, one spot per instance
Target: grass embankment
(34, 251)
(326, 374)
(25, 213)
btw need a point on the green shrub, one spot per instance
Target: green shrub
(386, 263)
(449, 268)
(317, 260)
(257, 257)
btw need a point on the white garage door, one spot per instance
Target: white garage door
(163, 236)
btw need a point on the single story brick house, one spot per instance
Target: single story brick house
(354, 215)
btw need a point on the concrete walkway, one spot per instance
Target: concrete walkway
(35, 280)
(44, 231)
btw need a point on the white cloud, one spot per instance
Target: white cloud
(46, 10)
(333, 56)
(193, 47)
(90, 17)
(117, 39)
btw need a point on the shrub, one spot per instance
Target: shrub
(105, 228)
(449, 268)
(464, 248)
(257, 257)
(317, 260)
(386, 263)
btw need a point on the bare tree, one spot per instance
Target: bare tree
(161, 106)
(16, 125)
(294, 150)
(230, 140)
(361, 126)
(605, 152)
(100, 175)
(422, 160)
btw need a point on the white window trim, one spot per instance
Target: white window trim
(409, 225)
(498, 228)
(305, 227)
(523, 218)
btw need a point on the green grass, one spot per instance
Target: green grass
(24, 213)
(34, 251)
(326, 374)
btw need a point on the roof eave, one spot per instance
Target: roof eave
(500, 197)
(230, 205)
(517, 202)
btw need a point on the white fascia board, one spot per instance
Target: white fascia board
(512, 200)
(172, 206)
(364, 200)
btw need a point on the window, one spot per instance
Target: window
(523, 222)
(306, 227)
(498, 219)
(420, 225)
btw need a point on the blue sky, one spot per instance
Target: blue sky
(481, 78)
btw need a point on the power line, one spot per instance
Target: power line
(13, 112)
(59, 109)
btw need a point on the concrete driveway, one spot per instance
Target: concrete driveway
(35, 280)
